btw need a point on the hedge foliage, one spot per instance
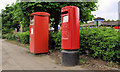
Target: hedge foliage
(22, 37)
(55, 40)
(101, 42)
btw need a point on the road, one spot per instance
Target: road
(15, 57)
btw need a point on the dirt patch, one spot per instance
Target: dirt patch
(96, 64)
(88, 62)
(56, 55)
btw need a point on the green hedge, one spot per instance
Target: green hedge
(22, 37)
(101, 43)
(55, 40)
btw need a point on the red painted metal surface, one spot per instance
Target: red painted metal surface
(39, 32)
(70, 28)
(117, 27)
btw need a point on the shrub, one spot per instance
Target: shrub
(3, 36)
(22, 37)
(55, 40)
(51, 40)
(10, 37)
(101, 43)
(17, 36)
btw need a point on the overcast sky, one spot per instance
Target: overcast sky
(107, 9)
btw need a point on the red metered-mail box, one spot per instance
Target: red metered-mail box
(39, 32)
(70, 27)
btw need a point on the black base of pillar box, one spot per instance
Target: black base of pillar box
(70, 58)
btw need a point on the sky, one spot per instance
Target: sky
(107, 9)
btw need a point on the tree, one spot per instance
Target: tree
(8, 24)
(108, 20)
(55, 9)
(112, 20)
(12, 16)
(20, 11)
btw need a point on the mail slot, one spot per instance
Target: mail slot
(39, 32)
(70, 28)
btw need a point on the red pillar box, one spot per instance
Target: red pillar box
(70, 35)
(70, 27)
(39, 32)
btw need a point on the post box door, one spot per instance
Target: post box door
(66, 30)
(32, 22)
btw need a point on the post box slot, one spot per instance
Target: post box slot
(65, 12)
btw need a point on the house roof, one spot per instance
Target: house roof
(89, 24)
(111, 23)
(99, 18)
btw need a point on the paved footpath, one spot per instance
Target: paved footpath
(15, 57)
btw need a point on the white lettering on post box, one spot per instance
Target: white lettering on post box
(31, 30)
(65, 18)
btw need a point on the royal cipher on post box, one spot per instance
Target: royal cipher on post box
(39, 32)
(70, 28)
